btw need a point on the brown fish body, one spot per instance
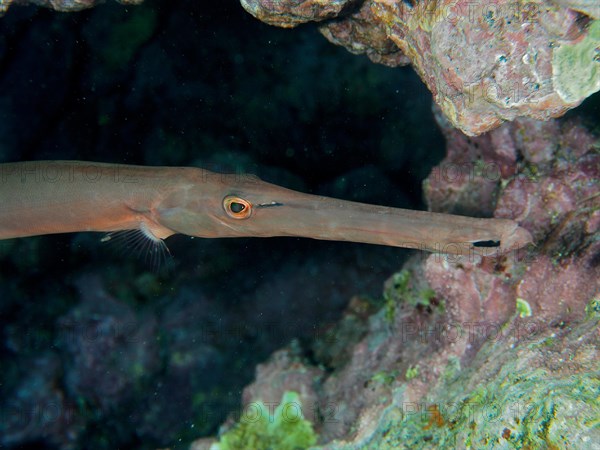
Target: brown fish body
(46, 197)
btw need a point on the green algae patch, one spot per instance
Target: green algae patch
(521, 412)
(412, 372)
(400, 289)
(384, 378)
(261, 428)
(592, 309)
(576, 68)
(514, 403)
(523, 308)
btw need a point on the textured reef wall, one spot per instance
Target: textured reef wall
(61, 5)
(485, 61)
(470, 352)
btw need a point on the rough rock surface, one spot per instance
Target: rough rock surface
(361, 33)
(485, 63)
(487, 352)
(587, 7)
(493, 62)
(288, 14)
(61, 5)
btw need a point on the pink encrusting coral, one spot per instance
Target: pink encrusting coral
(554, 193)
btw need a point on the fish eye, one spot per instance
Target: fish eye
(237, 207)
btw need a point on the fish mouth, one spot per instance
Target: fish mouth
(304, 215)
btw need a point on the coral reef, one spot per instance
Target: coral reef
(61, 5)
(485, 63)
(290, 14)
(468, 351)
(362, 33)
(109, 350)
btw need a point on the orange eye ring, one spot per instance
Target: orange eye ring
(237, 207)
